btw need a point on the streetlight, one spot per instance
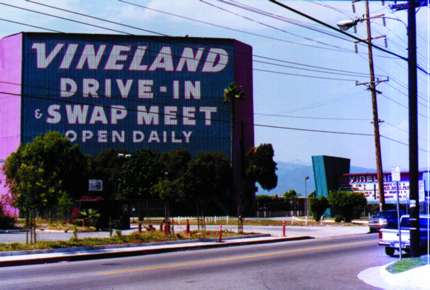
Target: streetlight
(307, 199)
(347, 24)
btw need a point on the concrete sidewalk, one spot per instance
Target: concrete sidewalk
(292, 231)
(414, 279)
(17, 258)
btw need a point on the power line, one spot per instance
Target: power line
(255, 69)
(29, 25)
(321, 4)
(311, 70)
(167, 114)
(250, 8)
(62, 100)
(274, 27)
(96, 18)
(172, 14)
(343, 32)
(280, 18)
(53, 7)
(56, 91)
(400, 104)
(303, 75)
(313, 66)
(63, 18)
(311, 117)
(232, 29)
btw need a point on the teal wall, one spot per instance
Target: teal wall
(328, 172)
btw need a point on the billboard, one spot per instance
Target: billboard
(133, 92)
(367, 184)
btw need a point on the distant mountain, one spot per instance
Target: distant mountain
(292, 176)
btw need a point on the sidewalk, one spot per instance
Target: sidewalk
(323, 231)
(415, 279)
(17, 258)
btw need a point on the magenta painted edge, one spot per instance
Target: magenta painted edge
(10, 109)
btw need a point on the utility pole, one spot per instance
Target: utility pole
(413, 132)
(372, 88)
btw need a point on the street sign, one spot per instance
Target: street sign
(395, 174)
(95, 185)
(403, 6)
(426, 179)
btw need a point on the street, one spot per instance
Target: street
(328, 263)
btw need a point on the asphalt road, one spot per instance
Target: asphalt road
(313, 264)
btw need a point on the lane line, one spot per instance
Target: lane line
(212, 261)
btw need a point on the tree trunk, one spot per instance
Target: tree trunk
(27, 226)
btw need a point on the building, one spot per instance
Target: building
(328, 171)
(126, 93)
(333, 173)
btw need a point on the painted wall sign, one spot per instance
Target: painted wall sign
(129, 93)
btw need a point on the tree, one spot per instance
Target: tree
(260, 167)
(136, 179)
(169, 188)
(318, 206)
(346, 204)
(45, 173)
(208, 180)
(290, 194)
(139, 173)
(107, 166)
(233, 92)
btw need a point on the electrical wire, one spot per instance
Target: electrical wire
(167, 114)
(64, 18)
(303, 75)
(280, 18)
(234, 29)
(343, 32)
(96, 18)
(261, 69)
(258, 11)
(80, 22)
(311, 117)
(313, 66)
(274, 27)
(28, 25)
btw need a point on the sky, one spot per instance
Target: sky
(300, 101)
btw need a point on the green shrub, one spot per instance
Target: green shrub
(347, 204)
(338, 218)
(318, 206)
(90, 217)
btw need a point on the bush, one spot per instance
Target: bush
(6, 222)
(318, 206)
(347, 204)
(338, 218)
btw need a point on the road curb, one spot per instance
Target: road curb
(122, 246)
(138, 252)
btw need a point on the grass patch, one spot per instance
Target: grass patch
(117, 239)
(406, 264)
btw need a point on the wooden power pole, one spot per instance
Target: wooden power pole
(372, 88)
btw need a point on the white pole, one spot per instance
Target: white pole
(398, 221)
